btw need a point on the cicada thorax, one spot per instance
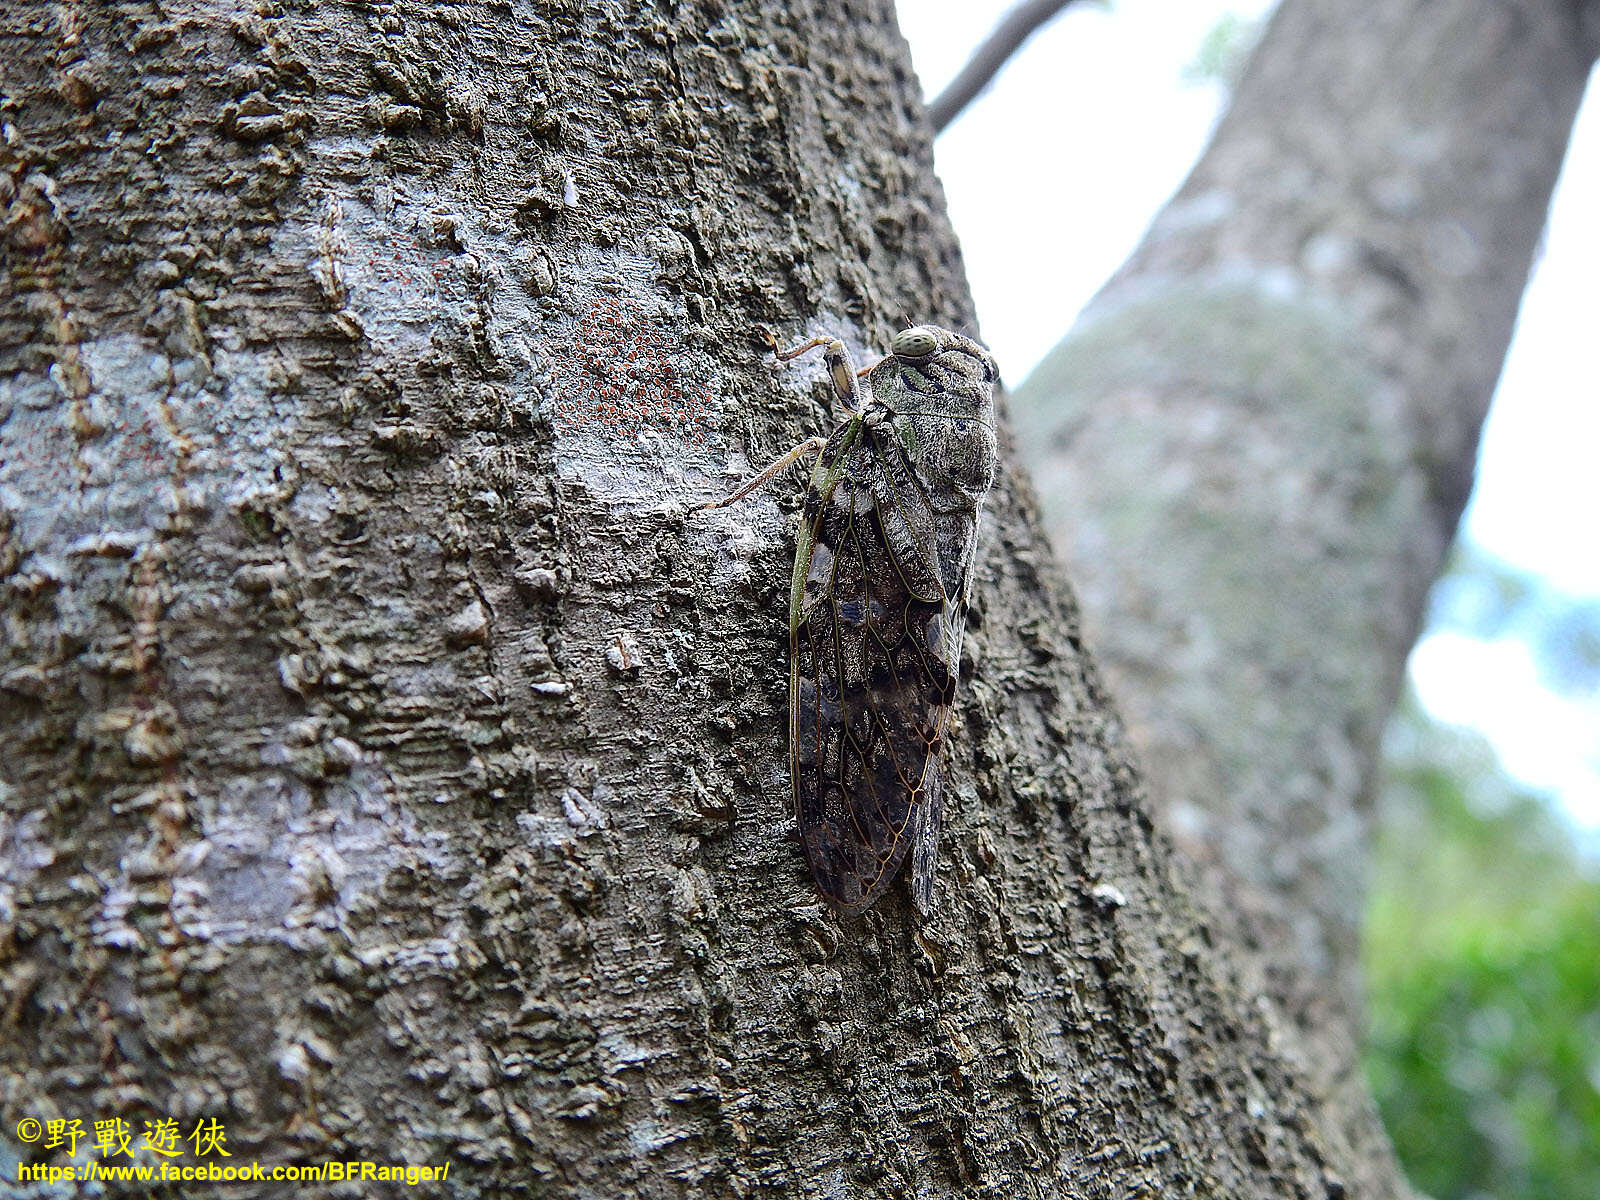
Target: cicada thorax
(944, 418)
(955, 458)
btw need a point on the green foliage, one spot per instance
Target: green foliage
(1223, 52)
(1486, 599)
(1483, 962)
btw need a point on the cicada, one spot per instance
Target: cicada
(883, 569)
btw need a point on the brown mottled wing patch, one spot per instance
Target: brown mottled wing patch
(873, 634)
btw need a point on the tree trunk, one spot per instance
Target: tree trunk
(1254, 447)
(393, 769)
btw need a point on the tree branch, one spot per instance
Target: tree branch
(1005, 40)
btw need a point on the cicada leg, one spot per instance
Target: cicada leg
(809, 446)
(843, 374)
(840, 369)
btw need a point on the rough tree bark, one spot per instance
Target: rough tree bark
(1253, 448)
(392, 769)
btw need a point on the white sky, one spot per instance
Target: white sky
(1052, 177)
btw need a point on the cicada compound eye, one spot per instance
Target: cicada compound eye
(914, 343)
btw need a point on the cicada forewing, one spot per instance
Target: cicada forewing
(874, 634)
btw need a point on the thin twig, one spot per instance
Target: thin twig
(1007, 37)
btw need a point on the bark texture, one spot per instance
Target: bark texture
(393, 770)
(1254, 447)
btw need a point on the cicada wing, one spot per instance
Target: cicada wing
(925, 836)
(871, 675)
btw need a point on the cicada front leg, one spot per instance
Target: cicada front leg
(842, 373)
(811, 445)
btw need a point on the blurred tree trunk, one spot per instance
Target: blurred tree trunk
(392, 770)
(1254, 446)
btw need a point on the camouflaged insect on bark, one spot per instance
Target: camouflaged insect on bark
(883, 569)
